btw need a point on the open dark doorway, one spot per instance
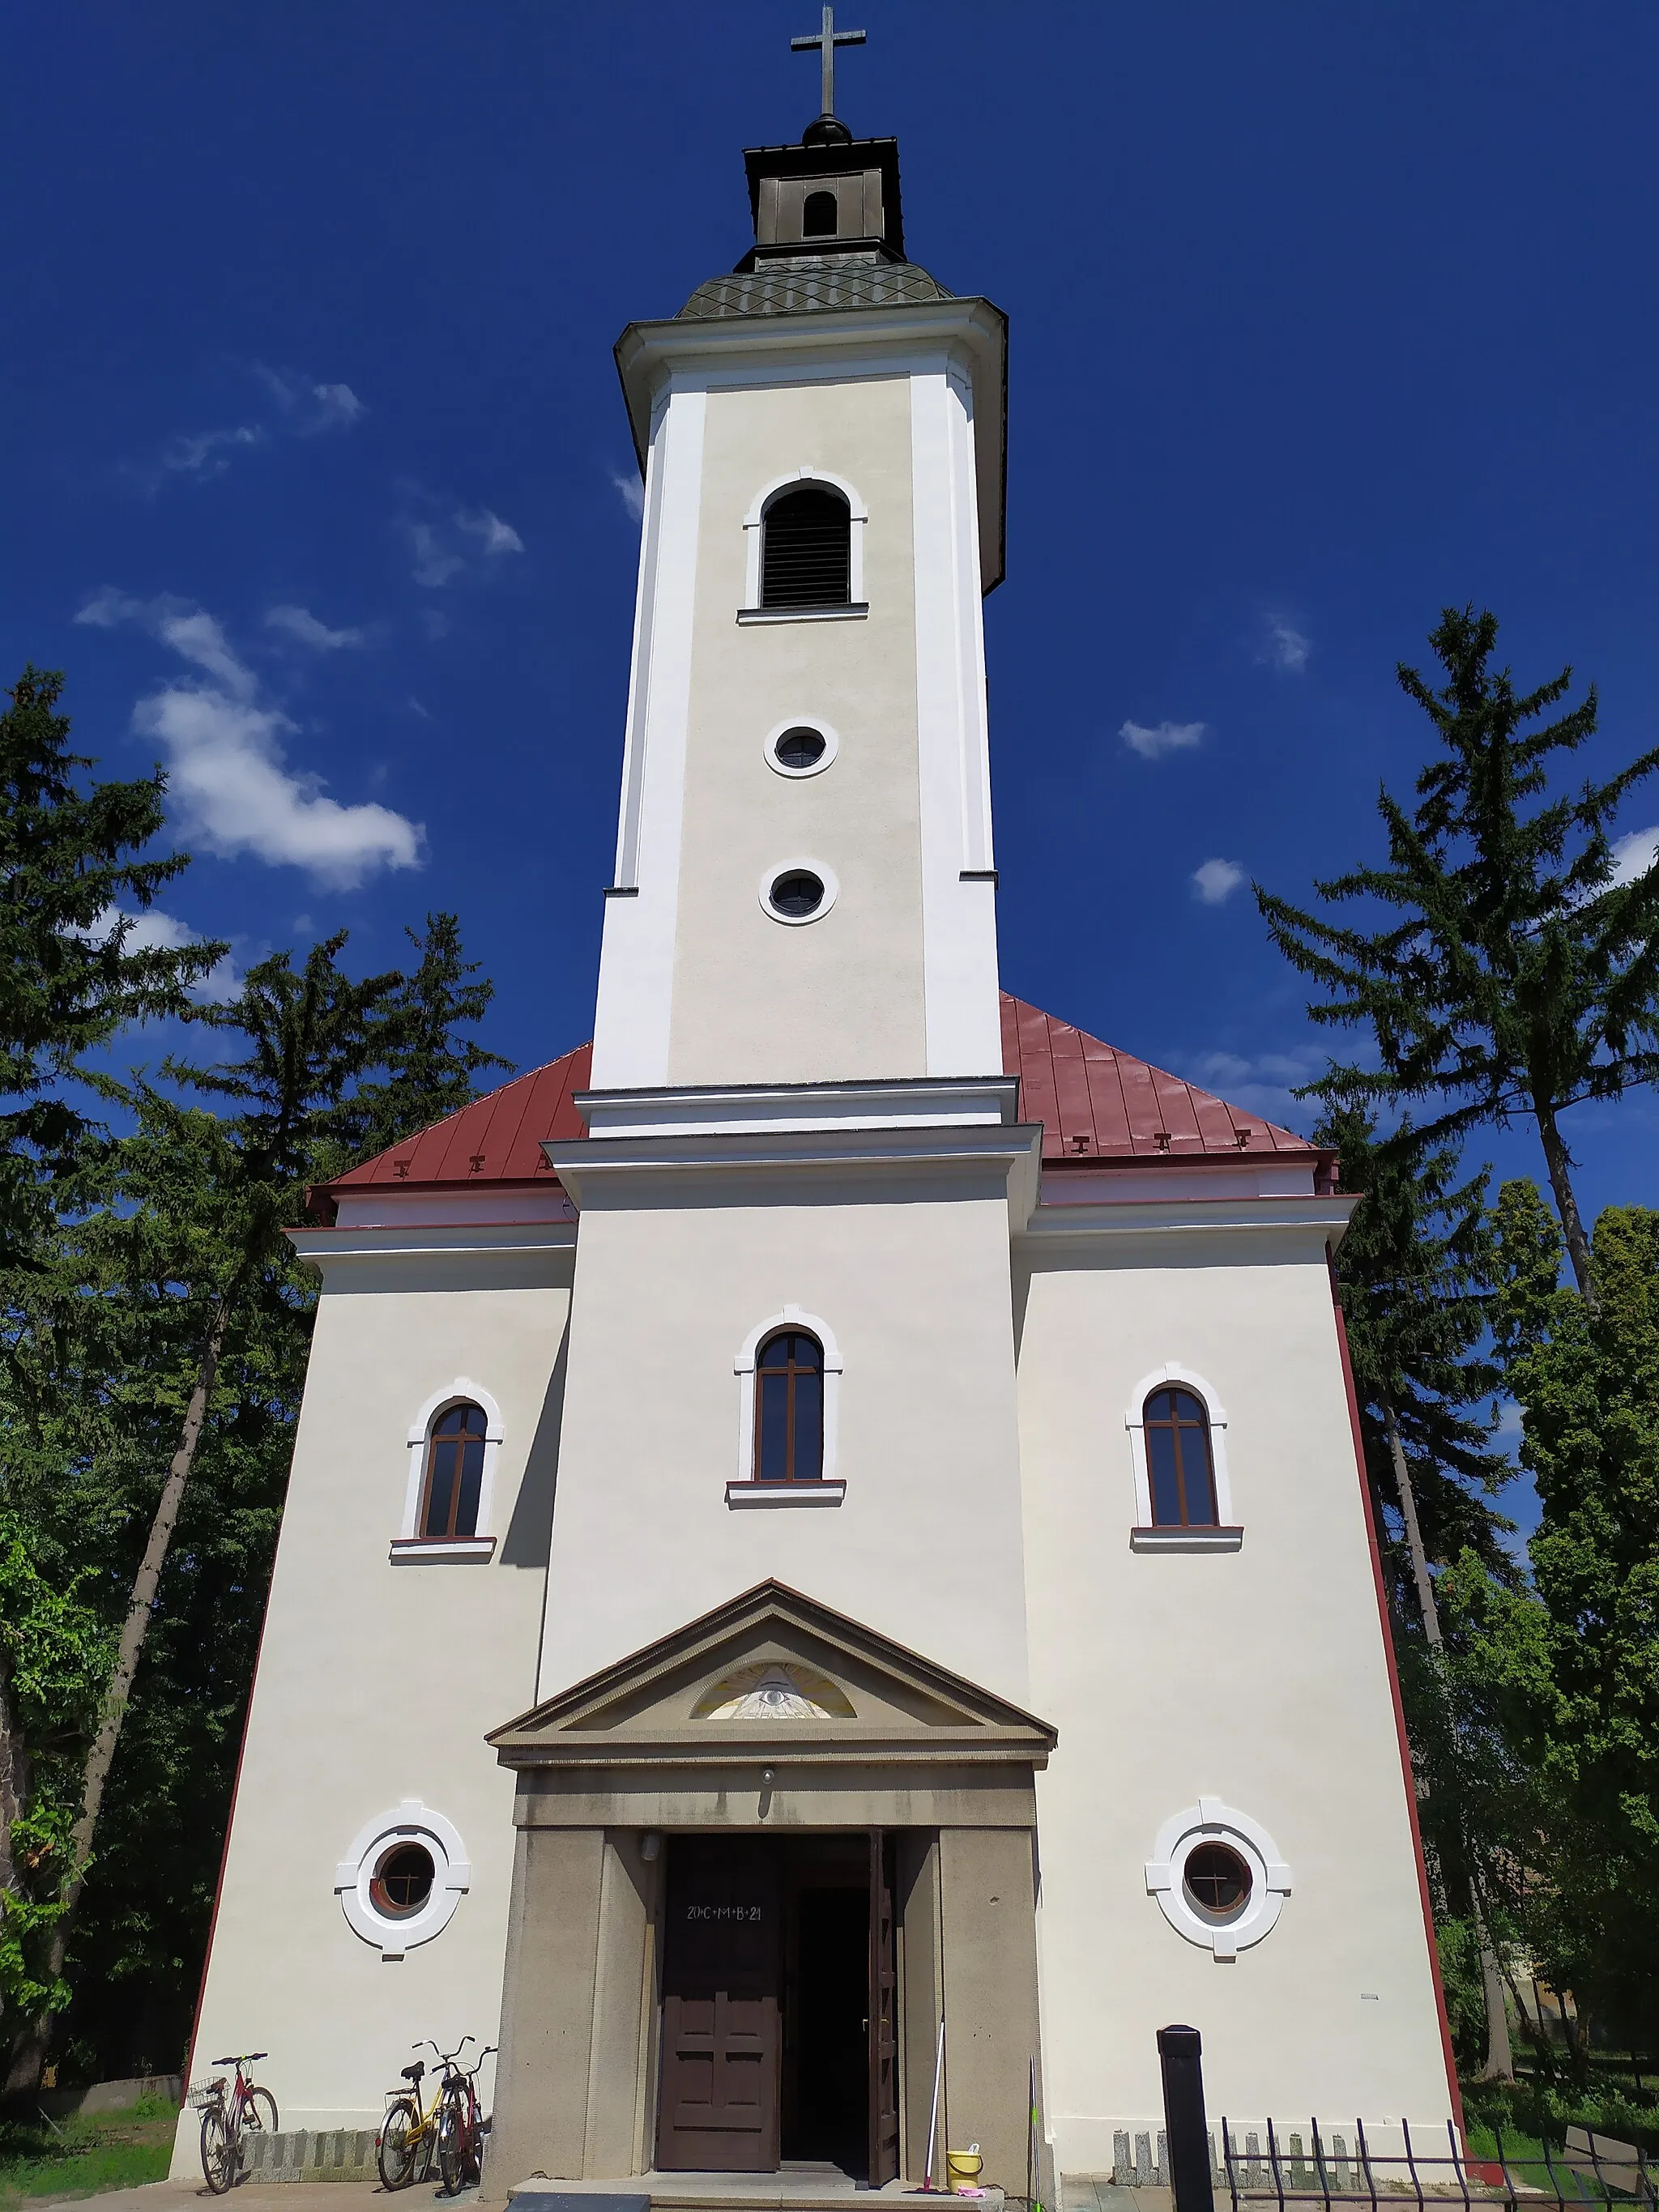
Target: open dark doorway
(826, 2100)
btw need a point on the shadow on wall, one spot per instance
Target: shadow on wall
(530, 1533)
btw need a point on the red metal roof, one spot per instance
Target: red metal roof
(497, 1138)
(1095, 1104)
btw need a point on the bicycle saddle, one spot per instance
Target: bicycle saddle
(414, 2073)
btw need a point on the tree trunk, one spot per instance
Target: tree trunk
(29, 2057)
(1500, 2058)
(14, 1781)
(1419, 1558)
(1566, 1205)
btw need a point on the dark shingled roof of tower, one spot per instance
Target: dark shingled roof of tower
(814, 285)
(1095, 1103)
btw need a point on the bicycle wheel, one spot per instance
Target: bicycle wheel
(259, 2111)
(397, 2154)
(221, 2152)
(455, 2143)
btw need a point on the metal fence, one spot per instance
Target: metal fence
(1386, 2167)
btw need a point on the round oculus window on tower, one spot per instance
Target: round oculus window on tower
(799, 748)
(798, 895)
(799, 891)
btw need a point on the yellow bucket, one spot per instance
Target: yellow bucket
(962, 2168)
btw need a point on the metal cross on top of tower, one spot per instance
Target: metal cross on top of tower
(827, 40)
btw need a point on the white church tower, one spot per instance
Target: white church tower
(832, 1515)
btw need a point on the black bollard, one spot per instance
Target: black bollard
(1185, 2127)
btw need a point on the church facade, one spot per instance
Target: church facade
(826, 1590)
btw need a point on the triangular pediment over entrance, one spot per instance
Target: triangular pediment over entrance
(774, 1671)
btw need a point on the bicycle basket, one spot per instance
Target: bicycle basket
(203, 2093)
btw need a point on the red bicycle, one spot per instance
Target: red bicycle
(228, 2112)
(462, 2127)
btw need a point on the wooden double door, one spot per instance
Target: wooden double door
(780, 2029)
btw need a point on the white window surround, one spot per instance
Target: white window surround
(743, 1491)
(832, 745)
(1210, 1822)
(1144, 1536)
(410, 1822)
(753, 522)
(826, 876)
(409, 1546)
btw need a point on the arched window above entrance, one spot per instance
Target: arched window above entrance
(789, 1408)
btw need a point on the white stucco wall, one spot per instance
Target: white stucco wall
(1257, 1676)
(914, 1284)
(377, 1682)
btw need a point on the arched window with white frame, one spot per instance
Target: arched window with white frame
(1178, 1442)
(454, 1441)
(788, 1374)
(804, 549)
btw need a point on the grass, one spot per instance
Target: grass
(83, 2157)
(1532, 2112)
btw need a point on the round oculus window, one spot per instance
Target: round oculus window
(1217, 1880)
(800, 749)
(796, 894)
(402, 1882)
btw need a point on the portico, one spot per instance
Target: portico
(705, 1831)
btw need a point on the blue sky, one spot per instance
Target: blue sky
(318, 484)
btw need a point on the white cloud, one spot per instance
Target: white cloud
(203, 452)
(630, 491)
(1284, 646)
(227, 769)
(1152, 741)
(309, 407)
(155, 930)
(300, 624)
(498, 536)
(302, 409)
(1262, 1083)
(1214, 884)
(1634, 856)
(445, 545)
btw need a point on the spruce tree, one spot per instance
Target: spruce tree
(1517, 977)
(70, 975)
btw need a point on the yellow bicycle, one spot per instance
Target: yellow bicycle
(404, 2148)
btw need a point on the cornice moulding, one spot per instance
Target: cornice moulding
(745, 1109)
(586, 1167)
(1327, 1218)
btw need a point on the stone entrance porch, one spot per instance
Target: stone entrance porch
(772, 1716)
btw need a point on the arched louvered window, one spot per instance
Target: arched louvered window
(806, 550)
(789, 1408)
(454, 1472)
(818, 217)
(1180, 1464)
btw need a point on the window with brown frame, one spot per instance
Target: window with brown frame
(1180, 1466)
(789, 1408)
(806, 550)
(455, 1473)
